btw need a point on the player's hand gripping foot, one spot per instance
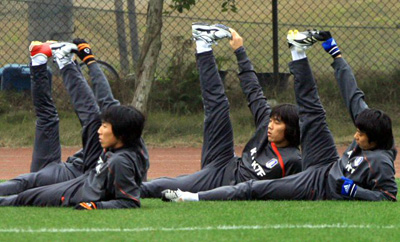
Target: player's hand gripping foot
(236, 41)
(301, 40)
(61, 51)
(210, 33)
(84, 51)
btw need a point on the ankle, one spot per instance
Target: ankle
(202, 46)
(39, 59)
(190, 197)
(297, 54)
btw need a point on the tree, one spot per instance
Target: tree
(148, 55)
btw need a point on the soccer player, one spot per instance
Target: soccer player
(273, 150)
(121, 166)
(46, 167)
(364, 172)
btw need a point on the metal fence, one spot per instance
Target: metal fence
(367, 32)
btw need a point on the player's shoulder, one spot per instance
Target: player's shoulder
(291, 153)
(124, 155)
(379, 154)
(380, 157)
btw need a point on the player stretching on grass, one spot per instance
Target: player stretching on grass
(273, 150)
(119, 169)
(365, 171)
(47, 167)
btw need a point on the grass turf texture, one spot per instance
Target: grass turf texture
(206, 221)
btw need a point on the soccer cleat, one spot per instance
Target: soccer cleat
(302, 40)
(210, 33)
(37, 48)
(40, 52)
(63, 53)
(172, 195)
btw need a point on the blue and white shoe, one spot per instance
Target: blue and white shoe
(210, 33)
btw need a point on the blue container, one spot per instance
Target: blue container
(17, 77)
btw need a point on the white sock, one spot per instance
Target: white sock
(39, 59)
(297, 54)
(202, 46)
(190, 197)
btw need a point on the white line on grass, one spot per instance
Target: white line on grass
(221, 227)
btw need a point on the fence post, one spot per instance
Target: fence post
(133, 32)
(275, 46)
(50, 20)
(123, 49)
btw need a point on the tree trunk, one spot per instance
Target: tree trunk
(149, 54)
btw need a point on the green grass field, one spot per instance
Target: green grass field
(208, 221)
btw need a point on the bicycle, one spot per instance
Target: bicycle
(109, 71)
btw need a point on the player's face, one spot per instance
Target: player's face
(363, 141)
(107, 138)
(276, 132)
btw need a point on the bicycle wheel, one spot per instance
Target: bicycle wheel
(108, 70)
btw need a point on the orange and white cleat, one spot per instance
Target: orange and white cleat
(39, 48)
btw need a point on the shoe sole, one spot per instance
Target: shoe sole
(201, 29)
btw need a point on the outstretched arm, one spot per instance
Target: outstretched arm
(101, 87)
(352, 95)
(249, 82)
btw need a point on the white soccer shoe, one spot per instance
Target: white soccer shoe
(172, 195)
(178, 196)
(302, 40)
(63, 53)
(210, 33)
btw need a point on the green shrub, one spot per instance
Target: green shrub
(178, 90)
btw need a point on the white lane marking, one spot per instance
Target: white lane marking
(222, 227)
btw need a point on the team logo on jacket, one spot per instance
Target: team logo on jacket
(349, 153)
(358, 160)
(271, 163)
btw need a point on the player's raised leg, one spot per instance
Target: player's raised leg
(317, 144)
(47, 147)
(83, 101)
(218, 146)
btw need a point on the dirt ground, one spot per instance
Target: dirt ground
(163, 161)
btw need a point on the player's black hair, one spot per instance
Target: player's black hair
(289, 114)
(127, 123)
(377, 126)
